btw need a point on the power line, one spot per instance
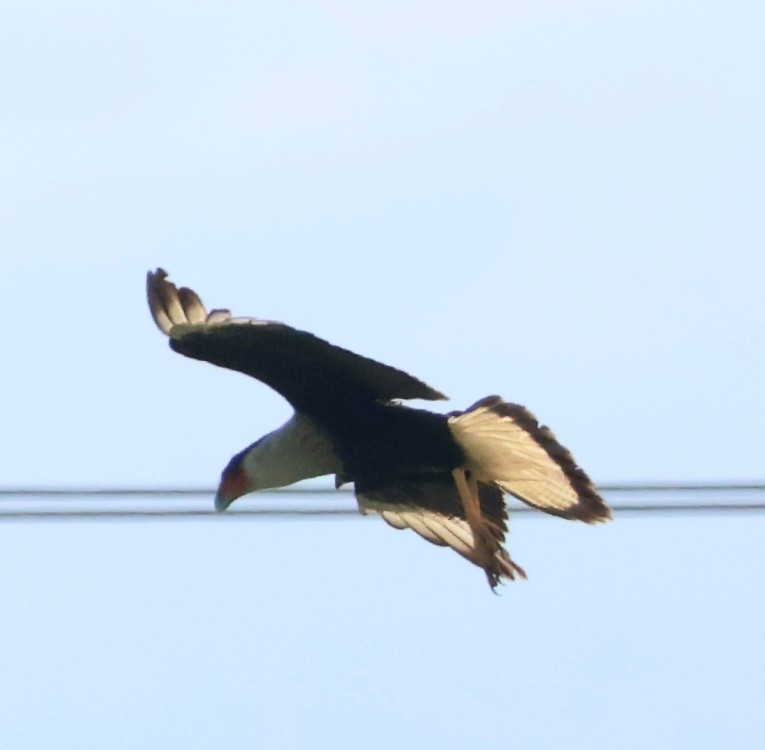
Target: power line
(151, 492)
(109, 503)
(250, 513)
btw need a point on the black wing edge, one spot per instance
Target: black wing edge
(591, 508)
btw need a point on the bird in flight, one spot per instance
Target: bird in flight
(442, 475)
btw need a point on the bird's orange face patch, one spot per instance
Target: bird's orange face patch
(233, 484)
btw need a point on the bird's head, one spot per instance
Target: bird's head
(234, 482)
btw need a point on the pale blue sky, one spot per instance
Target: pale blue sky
(557, 202)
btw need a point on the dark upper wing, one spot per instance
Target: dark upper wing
(308, 371)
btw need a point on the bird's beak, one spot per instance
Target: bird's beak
(233, 484)
(222, 501)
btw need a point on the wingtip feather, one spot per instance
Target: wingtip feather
(170, 306)
(154, 280)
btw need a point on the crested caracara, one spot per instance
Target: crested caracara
(443, 475)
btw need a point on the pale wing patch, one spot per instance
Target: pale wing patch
(499, 450)
(409, 518)
(503, 443)
(193, 308)
(178, 311)
(218, 317)
(442, 530)
(454, 533)
(439, 529)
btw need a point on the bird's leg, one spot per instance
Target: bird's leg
(484, 544)
(495, 569)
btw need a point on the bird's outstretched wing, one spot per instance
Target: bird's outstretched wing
(431, 506)
(309, 372)
(504, 443)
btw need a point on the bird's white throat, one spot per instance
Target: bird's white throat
(299, 449)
